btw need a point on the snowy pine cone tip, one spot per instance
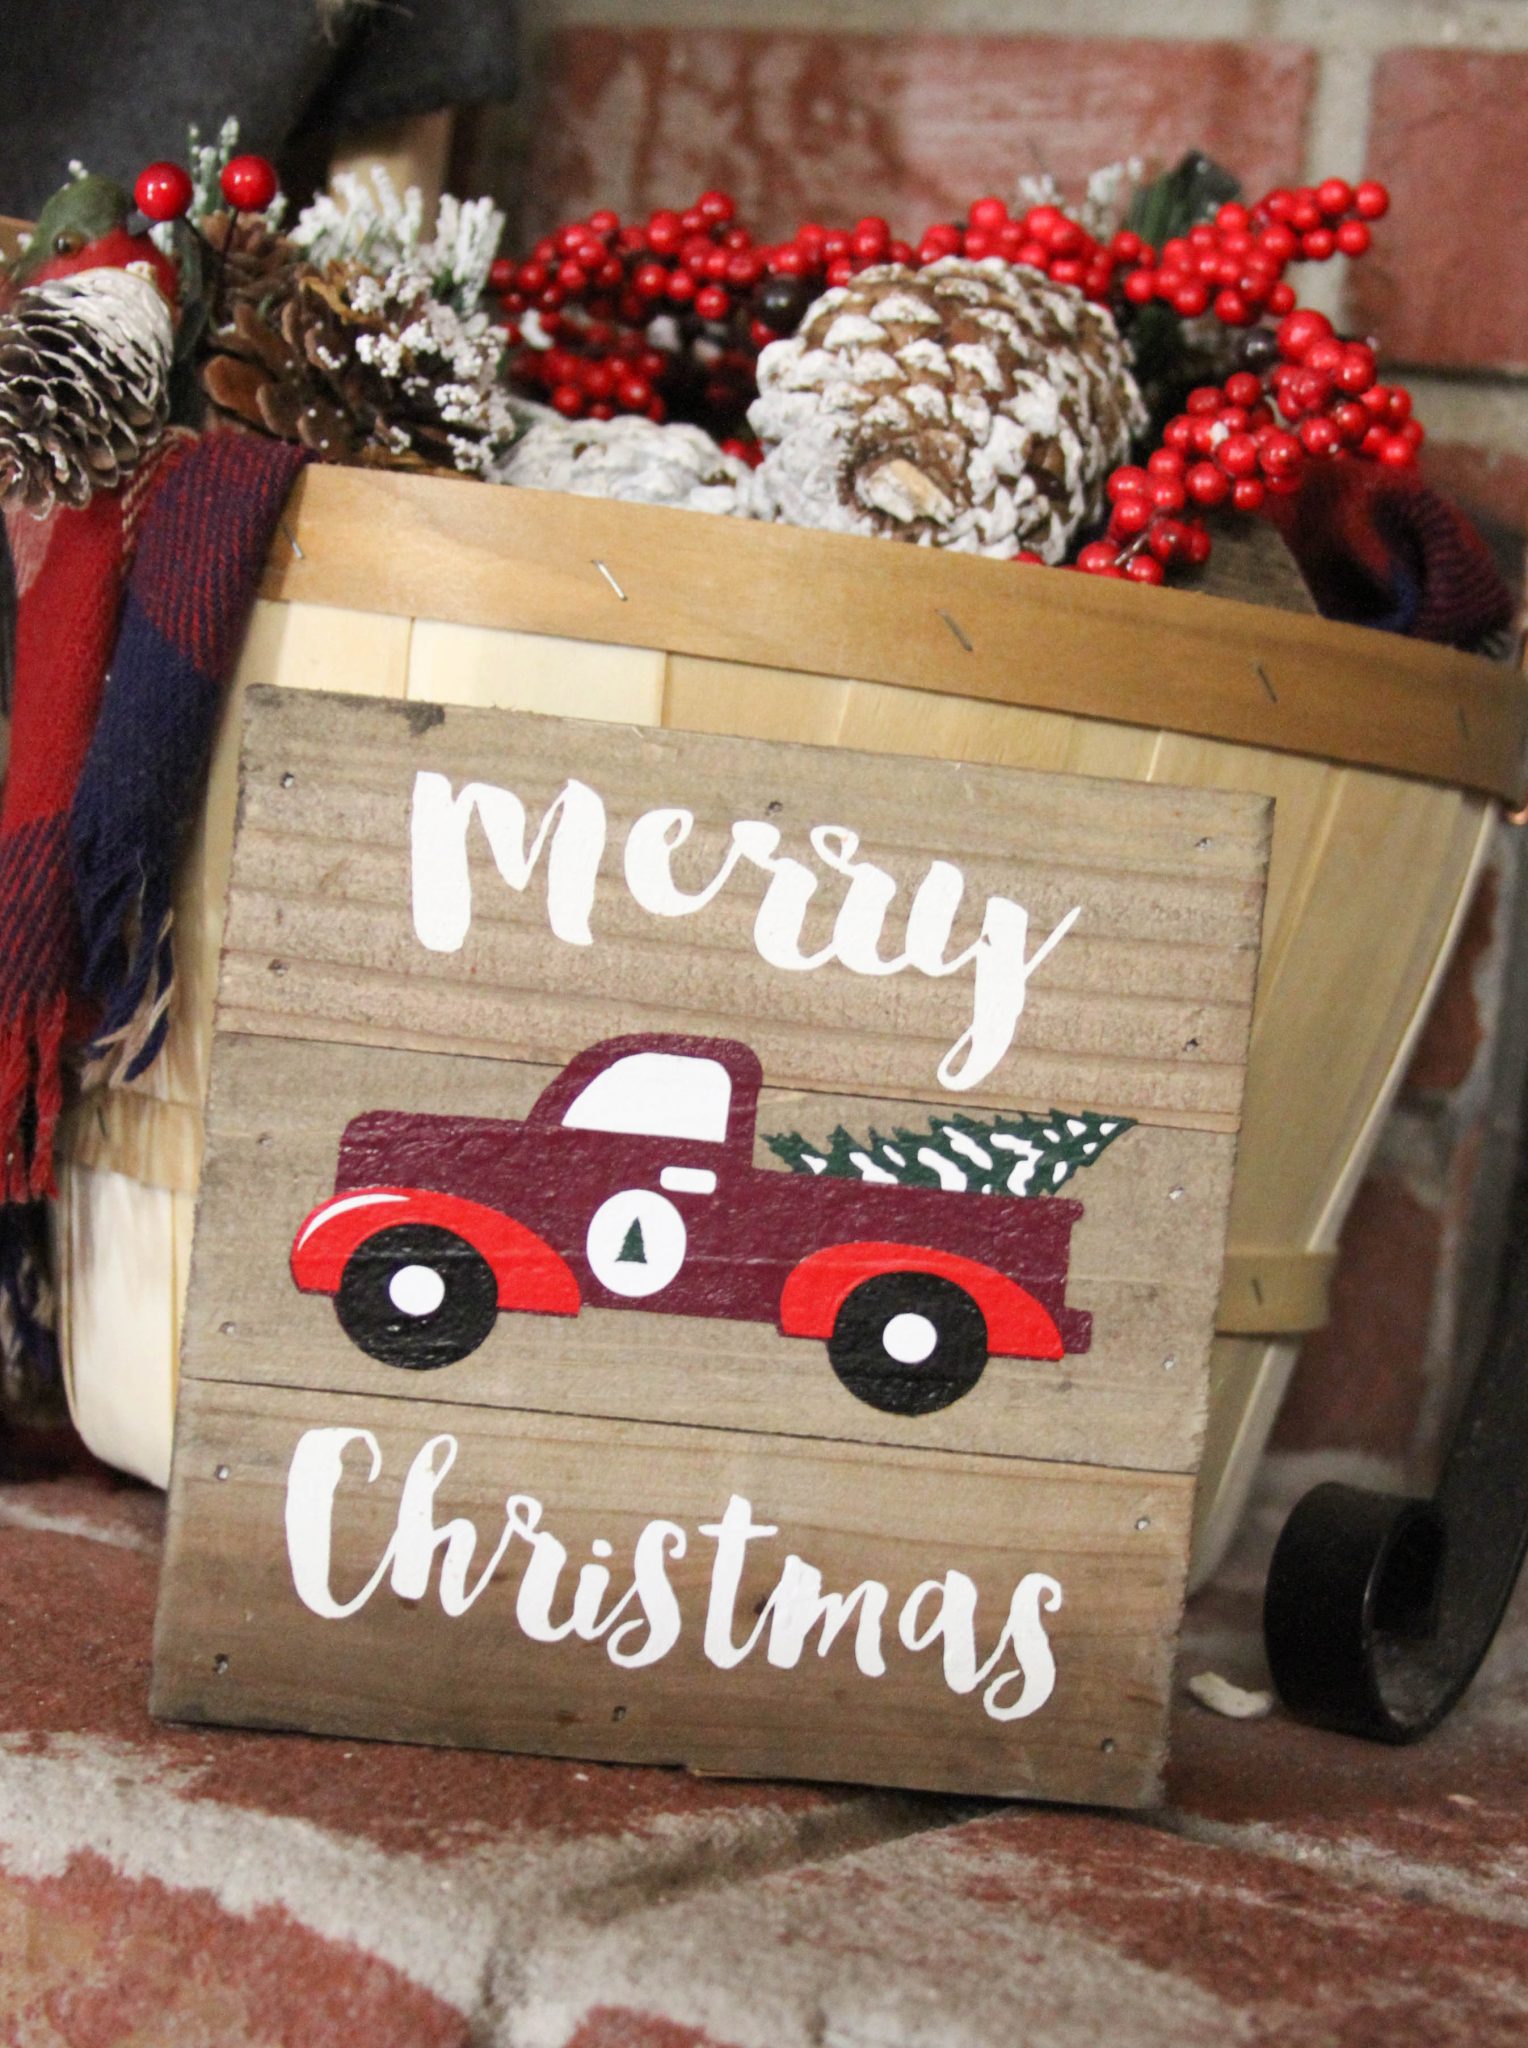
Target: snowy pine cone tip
(84, 385)
(970, 405)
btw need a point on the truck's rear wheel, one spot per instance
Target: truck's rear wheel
(909, 1343)
(417, 1296)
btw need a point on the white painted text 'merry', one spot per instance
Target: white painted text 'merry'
(573, 832)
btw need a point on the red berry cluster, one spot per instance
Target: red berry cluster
(1329, 391)
(583, 300)
(1234, 265)
(1229, 447)
(1043, 237)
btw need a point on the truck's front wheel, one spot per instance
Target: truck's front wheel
(908, 1343)
(417, 1296)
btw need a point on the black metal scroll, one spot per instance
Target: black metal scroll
(1378, 1609)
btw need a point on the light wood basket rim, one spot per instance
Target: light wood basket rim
(837, 605)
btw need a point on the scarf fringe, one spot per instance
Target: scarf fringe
(122, 1051)
(31, 1097)
(127, 965)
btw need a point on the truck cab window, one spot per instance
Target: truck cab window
(656, 1095)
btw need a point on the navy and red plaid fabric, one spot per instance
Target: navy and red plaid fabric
(1380, 548)
(187, 606)
(68, 570)
(107, 755)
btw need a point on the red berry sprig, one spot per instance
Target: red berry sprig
(163, 191)
(582, 303)
(1043, 237)
(1234, 265)
(249, 183)
(1311, 396)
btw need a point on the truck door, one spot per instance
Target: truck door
(669, 1114)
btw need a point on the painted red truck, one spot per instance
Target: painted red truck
(632, 1184)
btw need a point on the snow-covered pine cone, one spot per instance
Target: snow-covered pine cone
(971, 405)
(84, 385)
(368, 369)
(633, 459)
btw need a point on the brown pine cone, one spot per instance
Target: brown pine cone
(84, 386)
(259, 267)
(365, 369)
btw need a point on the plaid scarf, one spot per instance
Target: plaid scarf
(106, 769)
(187, 607)
(1379, 548)
(68, 571)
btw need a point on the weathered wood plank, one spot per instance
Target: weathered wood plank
(235, 1643)
(1143, 1008)
(1138, 1264)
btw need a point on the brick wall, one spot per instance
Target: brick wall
(911, 108)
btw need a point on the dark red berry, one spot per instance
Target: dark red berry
(1126, 482)
(1319, 435)
(1237, 455)
(1099, 558)
(1145, 568)
(1297, 331)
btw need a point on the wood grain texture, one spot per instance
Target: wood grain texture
(929, 619)
(1144, 1261)
(1143, 1010)
(1072, 1477)
(1345, 856)
(234, 1644)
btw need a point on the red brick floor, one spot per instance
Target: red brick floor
(176, 1888)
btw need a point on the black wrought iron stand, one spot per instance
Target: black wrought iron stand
(1378, 1609)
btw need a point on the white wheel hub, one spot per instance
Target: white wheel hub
(909, 1338)
(416, 1290)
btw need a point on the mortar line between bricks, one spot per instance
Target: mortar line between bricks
(1371, 25)
(872, 1821)
(1358, 1864)
(16, 1514)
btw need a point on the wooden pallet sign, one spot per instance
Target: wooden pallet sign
(707, 1250)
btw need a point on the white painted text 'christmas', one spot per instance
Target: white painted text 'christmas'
(641, 1625)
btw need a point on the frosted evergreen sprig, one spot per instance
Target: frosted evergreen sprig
(367, 221)
(1105, 200)
(467, 237)
(1027, 1155)
(206, 162)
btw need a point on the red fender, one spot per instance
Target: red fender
(530, 1274)
(1017, 1325)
